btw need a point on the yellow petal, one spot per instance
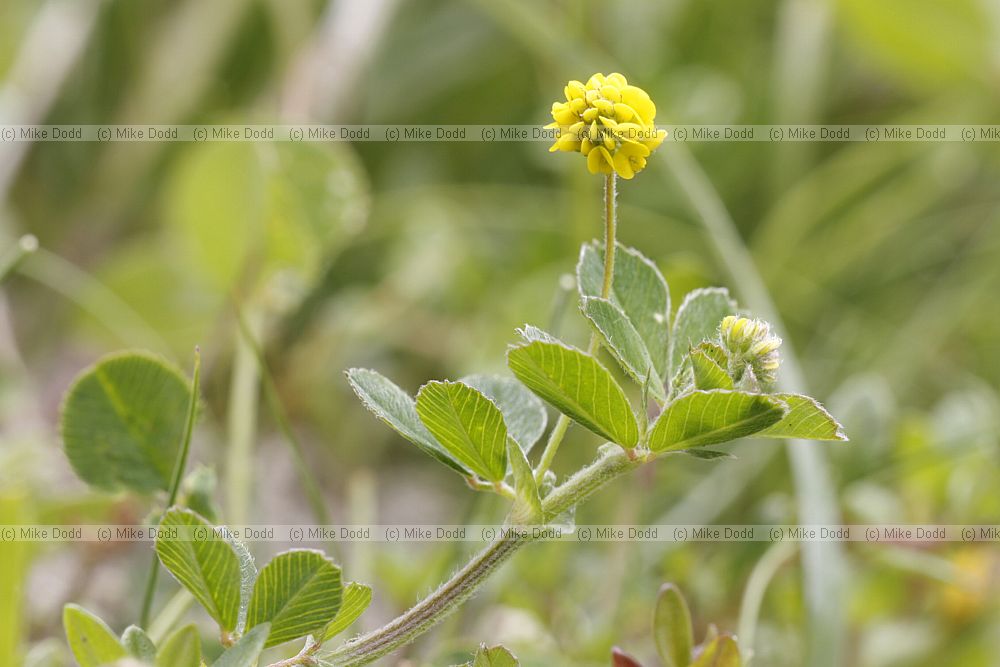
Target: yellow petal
(590, 115)
(593, 95)
(631, 149)
(599, 161)
(594, 132)
(623, 166)
(638, 99)
(595, 82)
(574, 90)
(611, 93)
(568, 142)
(605, 108)
(624, 113)
(586, 146)
(564, 116)
(578, 105)
(615, 79)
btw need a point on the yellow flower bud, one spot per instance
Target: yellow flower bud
(750, 344)
(608, 121)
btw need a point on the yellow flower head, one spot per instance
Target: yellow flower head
(610, 122)
(750, 344)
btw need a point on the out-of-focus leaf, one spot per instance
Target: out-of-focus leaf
(14, 565)
(638, 288)
(468, 424)
(245, 652)
(203, 562)
(91, 640)
(578, 386)
(620, 658)
(707, 454)
(138, 644)
(123, 420)
(709, 417)
(698, 320)
(493, 656)
(353, 603)
(672, 631)
(624, 342)
(181, 649)
(806, 419)
(720, 652)
(527, 507)
(523, 412)
(395, 407)
(298, 593)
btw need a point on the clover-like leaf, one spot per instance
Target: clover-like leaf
(527, 507)
(523, 413)
(203, 562)
(624, 342)
(638, 288)
(672, 631)
(180, 649)
(123, 420)
(90, 639)
(698, 320)
(708, 374)
(578, 386)
(138, 644)
(493, 656)
(806, 419)
(468, 425)
(395, 407)
(298, 593)
(710, 417)
(353, 603)
(720, 652)
(245, 652)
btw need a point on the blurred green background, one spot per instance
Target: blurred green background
(420, 259)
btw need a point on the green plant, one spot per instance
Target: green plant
(699, 376)
(674, 638)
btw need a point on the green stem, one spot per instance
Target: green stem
(243, 396)
(10, 260)
(435, 607)
(610, 234)
(175, 484)
(309, 484)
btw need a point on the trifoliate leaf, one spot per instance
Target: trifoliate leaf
(469, 426)
(707, 373)
(698, 320)
(203, 562)
(709, 417)
(298, 593)
(395, 407)
(91, 640)
(123, 421)
(523, 412)
(806, 419)
(527, 507)
(624, 342)
(353, 603)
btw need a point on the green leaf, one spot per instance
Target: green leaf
(530, 334)
(298, 593)
(395, 407)
(123, 420)
(245, 652)
(181, 649)
(138, 644)
(354, 601)
(523, 413)
(91, 640)
(527, 507)
(578, 386)
(494, 656)
(672, 627)
(638, 288)
(720, 652)
(624, 342)
(203, 562)
(806, 419)
(469, 425)
(707, 454)
(697, 320)
(707, 373)
(710, 417)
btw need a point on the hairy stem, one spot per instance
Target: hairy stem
(464, 583)
(175, 484)
(610, 232)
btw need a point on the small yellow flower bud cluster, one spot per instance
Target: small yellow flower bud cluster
(750, 344)
(608, 121)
